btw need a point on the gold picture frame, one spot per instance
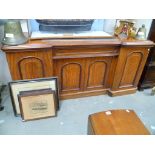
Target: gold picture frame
(37, 104)
(27, 85)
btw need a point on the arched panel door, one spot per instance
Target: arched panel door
(71, 76)
(129, 69)
(70, 73)
(97, 72)
(31, 67)
(133, 61)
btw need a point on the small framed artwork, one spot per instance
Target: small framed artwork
(37, 104)
(30, 85)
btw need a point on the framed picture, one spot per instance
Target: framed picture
(35, 84)
(37, 104)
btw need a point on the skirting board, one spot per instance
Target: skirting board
(83, 94)
(122, 92)
(98, 92)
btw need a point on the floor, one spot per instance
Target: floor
(73, 114)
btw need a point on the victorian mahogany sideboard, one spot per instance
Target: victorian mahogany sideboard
(84, 67)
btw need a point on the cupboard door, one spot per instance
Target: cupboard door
(130, 66)
(70, 73)
(30, 64)
(31, 67)
(96, 72)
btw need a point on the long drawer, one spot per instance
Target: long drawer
(78, 52)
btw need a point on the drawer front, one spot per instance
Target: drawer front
(78, 52)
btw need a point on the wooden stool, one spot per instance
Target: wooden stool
(116, 122)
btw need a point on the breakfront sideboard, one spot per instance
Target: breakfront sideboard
(84, 67)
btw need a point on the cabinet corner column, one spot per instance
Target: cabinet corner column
(131, 61)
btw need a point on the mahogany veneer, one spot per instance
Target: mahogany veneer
(84, 66)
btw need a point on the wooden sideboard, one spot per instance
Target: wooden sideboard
(84, 67)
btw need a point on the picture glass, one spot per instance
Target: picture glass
(31, 85)
(39, 106)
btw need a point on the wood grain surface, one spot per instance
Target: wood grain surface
(116, 122)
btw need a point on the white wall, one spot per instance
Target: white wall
(4, 69)
(107, 25)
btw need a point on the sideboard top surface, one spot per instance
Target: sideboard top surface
(49, 43)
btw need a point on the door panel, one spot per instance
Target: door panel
(96, 74)
(71, 76)
(131, 67)
(31, 67)
(30, 64)
(97, 70)
(70, 73)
